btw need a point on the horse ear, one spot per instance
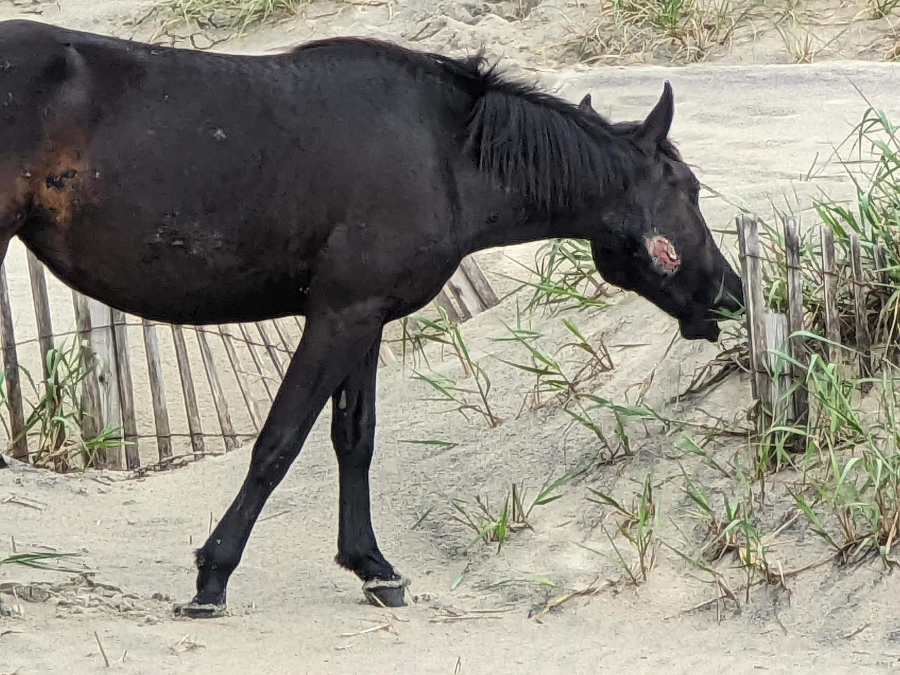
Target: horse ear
(656, 127)
(585, 104)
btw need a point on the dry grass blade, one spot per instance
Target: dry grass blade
(590, 591)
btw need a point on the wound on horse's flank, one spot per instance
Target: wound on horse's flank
(59, 184)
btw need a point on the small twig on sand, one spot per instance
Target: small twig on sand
(591, 590)
(374, 629)
(387, 625)
(856, 632)
(22, 501)
(102, 651)
(452, 616)
(395, 617)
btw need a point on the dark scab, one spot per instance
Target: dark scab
(59, 182)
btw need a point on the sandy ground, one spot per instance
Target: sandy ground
(751, 130)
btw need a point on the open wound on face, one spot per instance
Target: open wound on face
(663, 254)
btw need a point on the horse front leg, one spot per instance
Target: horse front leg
(353, 437)
(334, 343)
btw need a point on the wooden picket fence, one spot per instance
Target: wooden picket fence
(777, 383)
(255, 356)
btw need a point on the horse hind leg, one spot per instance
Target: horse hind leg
(353, 437)
(333, 343)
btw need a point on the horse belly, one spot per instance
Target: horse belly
(191, 277)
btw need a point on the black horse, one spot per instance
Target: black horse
(344, 181)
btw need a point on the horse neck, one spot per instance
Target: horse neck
(520, 223)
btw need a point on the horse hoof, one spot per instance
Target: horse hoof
(386, 592)
(195, 610)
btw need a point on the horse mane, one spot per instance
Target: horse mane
(549, 151)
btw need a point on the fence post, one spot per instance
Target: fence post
(479, 282)
(881, 267)
(271, 349)
(829, 289)
(288, 350)
(386, 355)
(103, 344)
(187, 388)
(891, 339)
(778, 368)
(215, 387)
(92, 423)
(157, 391)
(444, 302)
(471, 288)
(11, 368)
(796, 344)
(257, 362)
(228, 341)
(44, 322)
(863, 340)
(126, 390)
(748, 236)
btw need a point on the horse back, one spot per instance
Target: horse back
(224, 175)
